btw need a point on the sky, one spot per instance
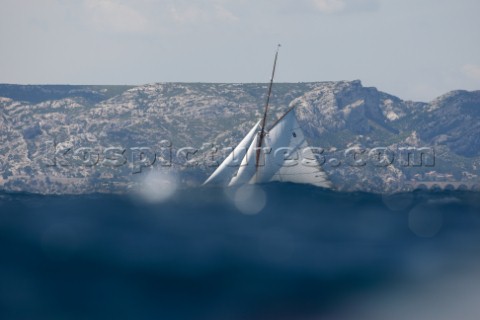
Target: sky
(414, 49)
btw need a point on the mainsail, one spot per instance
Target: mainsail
(291, 159)
(278, 154)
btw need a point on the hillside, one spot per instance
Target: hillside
(45, 130)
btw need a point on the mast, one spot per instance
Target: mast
(264, 120)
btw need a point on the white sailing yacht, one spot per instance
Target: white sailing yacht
(279, 153)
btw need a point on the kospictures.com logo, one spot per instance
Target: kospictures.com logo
(65, 155)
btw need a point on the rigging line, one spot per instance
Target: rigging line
(281, 118)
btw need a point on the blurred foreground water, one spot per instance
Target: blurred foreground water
(277, 251)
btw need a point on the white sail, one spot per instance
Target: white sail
(290, 158)
(247, 167)
(272, 156)
(224, 173)
(285, 156)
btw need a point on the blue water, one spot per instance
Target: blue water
(196, 256)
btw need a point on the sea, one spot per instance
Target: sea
(276, 251)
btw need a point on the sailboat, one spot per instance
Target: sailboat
(279, 152)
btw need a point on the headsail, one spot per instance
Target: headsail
(248, 167)
(224, 173)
